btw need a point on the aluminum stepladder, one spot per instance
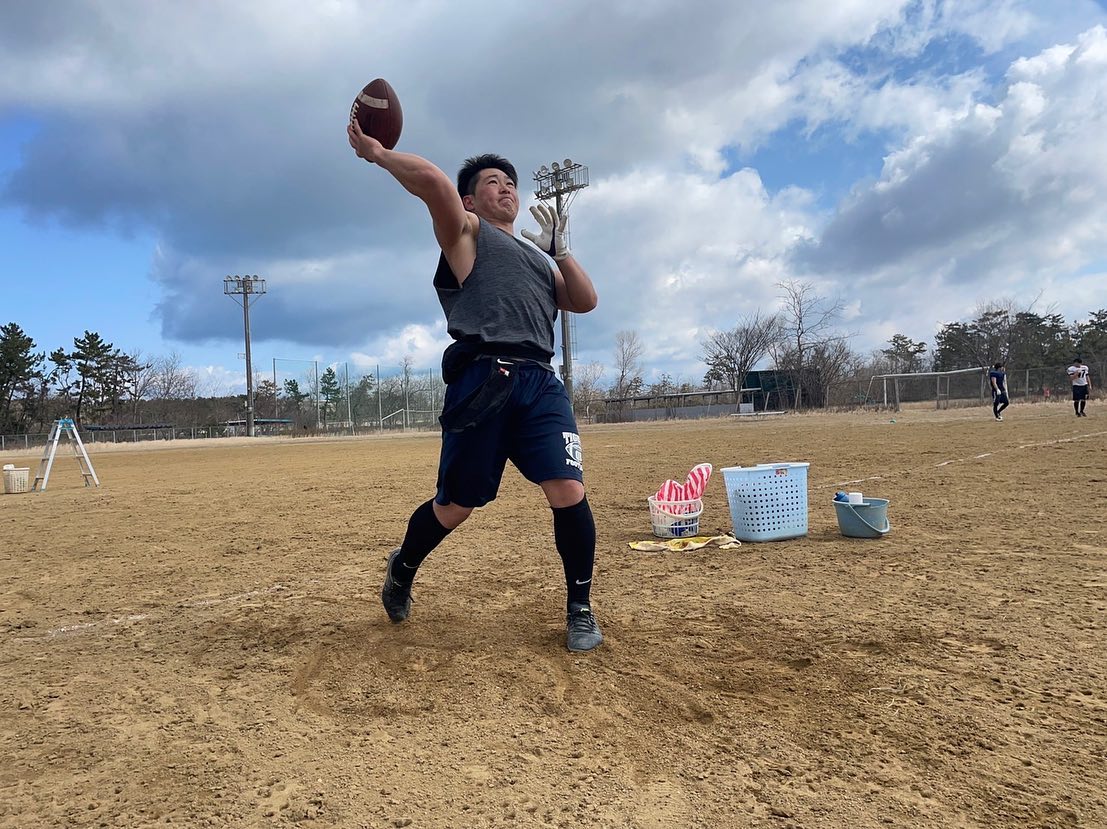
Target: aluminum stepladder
(67, 427)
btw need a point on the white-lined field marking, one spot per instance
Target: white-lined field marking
(966, 459)
(237, 597)
(81, 627)
(90, 627)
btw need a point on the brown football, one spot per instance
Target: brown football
(377, 110)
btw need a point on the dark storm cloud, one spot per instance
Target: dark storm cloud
(220, 133)
(252, 166)
(335, 302)
(946, 202)
(257, 162)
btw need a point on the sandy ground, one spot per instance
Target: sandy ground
(200, 641)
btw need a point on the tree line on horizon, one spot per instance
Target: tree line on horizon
(804, 343)
(96, 383)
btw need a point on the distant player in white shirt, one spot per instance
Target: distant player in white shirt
(1081, 385)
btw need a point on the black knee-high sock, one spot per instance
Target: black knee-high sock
(575, 537)
(424, 533)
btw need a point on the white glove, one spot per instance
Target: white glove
(554, 238)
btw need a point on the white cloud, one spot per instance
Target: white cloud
(421, 344)
(1001, 196)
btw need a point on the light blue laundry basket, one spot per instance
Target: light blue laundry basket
(768, 502)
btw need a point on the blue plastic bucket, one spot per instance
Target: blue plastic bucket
(868, 519)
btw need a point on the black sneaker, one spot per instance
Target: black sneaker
(395, 597)
(583, 630)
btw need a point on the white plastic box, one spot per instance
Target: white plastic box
(768, 502)
(16, 480)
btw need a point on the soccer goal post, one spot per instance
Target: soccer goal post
(964, 387)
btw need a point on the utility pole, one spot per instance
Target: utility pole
(249, 288)
(560, 182)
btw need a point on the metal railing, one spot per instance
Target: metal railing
(400, 420)
(13, 443)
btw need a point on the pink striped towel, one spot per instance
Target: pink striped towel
(691, 489)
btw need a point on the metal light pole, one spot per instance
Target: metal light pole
(246, 287)
(560, 182)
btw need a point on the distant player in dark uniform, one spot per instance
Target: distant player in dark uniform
(1081, 385)
(998, 378)
(503, 399)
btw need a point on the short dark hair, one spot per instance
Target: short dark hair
(1077, 360)
(467, 175)
(998, 365)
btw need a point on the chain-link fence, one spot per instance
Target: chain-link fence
(409, 401)
(776, 393)
(401, 420)
(316, 395)
(91, 437)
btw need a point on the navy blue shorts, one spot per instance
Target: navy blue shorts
(1079, 392)
(535, 430)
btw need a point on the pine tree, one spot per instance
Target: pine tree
(19, 366)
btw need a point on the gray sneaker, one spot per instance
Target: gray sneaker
(395, 597)
(583, 630)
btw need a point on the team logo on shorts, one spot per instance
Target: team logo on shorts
(572, 449)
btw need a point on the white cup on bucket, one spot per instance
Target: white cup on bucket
(856, 497)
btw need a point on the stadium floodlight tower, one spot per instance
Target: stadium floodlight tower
(249, 288)
(560, 182)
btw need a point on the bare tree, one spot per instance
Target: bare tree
(628, 365)
(170, 380)
(139, 381)
(407, 370)
(426, 391)
(586, 387)
(392, 398)
(731, 355)
(807, 323)
(829, 364)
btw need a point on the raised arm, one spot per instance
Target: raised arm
(421, 178)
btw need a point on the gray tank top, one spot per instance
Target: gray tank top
(507, 304)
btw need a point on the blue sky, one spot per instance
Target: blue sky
(911, 159)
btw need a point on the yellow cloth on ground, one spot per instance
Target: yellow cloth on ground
(682, 545)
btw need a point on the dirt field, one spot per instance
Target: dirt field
(200, 642)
